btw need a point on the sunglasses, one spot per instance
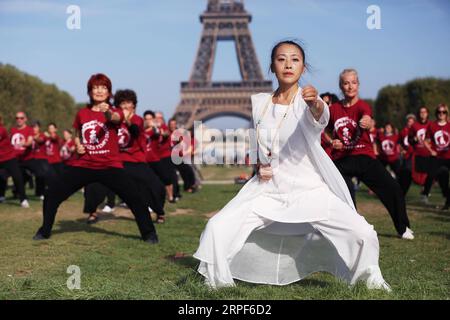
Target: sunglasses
(20, 118)
(442, 112)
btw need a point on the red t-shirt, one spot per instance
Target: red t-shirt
(7, 151)
(152, 145)
(389, 151)
(164, 149)
(419, 131)
(440, 139)
(38, 149)
(404, 142)
(132, 149)
(65, 152)
(99, 138)
(325, 144)
(344, 123)
(18, 138)
(53, 146)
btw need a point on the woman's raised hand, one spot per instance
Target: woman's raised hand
(310, 94)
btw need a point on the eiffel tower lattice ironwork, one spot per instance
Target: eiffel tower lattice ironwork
(203, 99)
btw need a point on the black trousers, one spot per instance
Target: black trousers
(11, 167)
(42, 172)
(151, 190)
(439, 169)
(377, 178)
(187, 174)
(74, 178)
(405, 175)
(164, 170)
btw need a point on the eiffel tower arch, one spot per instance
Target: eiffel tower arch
(203, 99)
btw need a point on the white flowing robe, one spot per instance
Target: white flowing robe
(305, 182)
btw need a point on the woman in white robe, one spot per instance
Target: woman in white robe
(295, 217)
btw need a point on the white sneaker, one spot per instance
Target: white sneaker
(25, 204)
(408, 234)
(150, 210)
(424, 199)
(42, 198)
(107, 209)
(408, 229)
(376, 281)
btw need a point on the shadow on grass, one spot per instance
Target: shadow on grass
(185, 260)
(440, 234)
(67, 226)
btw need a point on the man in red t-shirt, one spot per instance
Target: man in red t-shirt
(9, 164)
(405, 177)
(353, 153)
(23, 139)
(438, 143)
(98, 160)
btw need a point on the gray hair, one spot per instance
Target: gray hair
(345, 71)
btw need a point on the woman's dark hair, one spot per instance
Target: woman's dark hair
(68, 130)
(36, 123)
(150, 112)
(125, 95)
(295, 43)
(52, 124)
(418, 111)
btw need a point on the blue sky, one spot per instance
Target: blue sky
(150, 46)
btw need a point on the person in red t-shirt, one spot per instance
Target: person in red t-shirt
(98, 160)
(438, 143)
(405, 176)
(353, 153)
(40, 160)
(165, 154)
(423, 162)
(67, 151)
(388, 144)
(132, 144)
(177, 139)
(53, 148)
(9, 164)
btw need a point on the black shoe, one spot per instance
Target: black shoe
(39, 236)
(152, 239)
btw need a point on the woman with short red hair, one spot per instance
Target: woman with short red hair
(98, 160)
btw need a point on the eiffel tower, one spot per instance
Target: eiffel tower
(202, 99)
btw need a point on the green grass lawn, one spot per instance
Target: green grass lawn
(115, 264)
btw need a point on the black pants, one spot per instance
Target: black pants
(405, 175)
(74, 178)
(377, 178)
(439, 169)
(432, 168)
(164, 170)
(41, 170)
(11, 167)
(187, 174)
(149, 185)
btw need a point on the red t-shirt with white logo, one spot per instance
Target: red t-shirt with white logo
(18, 138)
(132, 149)
(419, 132)
(404, 142)
(152, 145)
(389, 151)
(164, 149)
(440, 139)
(344, 123)
(99, 138)
(53, 146)
(65, 152)
(38, 148)
(7, 151)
